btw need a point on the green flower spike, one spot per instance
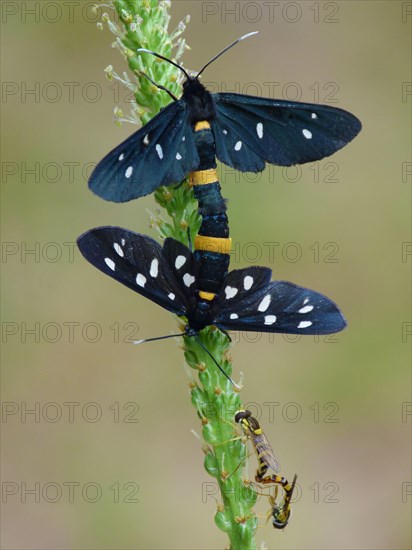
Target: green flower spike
(144, 24)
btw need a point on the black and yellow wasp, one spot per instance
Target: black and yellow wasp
(267, 461)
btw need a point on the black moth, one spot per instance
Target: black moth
(248, 300)
(248, 132)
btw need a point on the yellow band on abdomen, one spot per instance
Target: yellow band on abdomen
(202, 125)
(206, 295)
(213, 244)
(203, 177)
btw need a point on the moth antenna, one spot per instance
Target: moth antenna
(159, 86)
(225, 50)
(158, 338)
(215, 362)
(201, 345)
(164, 59)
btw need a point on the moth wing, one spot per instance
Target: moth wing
(161, 153)
(250, 131)
(281, 307)
(136, 261)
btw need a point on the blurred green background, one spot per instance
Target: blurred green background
(109, 451)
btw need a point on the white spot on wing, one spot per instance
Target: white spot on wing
(270, 319)
(314, 115)
(188, 279)
(247, 282)
(234, 316)
(305, 324)
(259, 130)
(184, 138)
(110, 263)
(307, 133)
(305, 309)
(178, 156)
(225, 132)
(159, 150)
(140, 280)
(238, 146)
(146, 139)
(121, 157)
(171, 296)
(123, 241)
(129, 171)
(180, 260)
(118, 249)
(264, 304)
(154, 268)
(305, 301)
(230, 292)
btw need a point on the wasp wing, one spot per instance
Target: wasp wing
(265, 452)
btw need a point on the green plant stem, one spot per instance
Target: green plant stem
(144, 24)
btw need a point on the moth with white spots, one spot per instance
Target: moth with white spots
(168, 275)
(248, 132)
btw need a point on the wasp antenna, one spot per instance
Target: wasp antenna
(225, 50)
(158, 338)
(164, 59)
(215, 362)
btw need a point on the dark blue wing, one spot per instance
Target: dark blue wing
(184, 266)
(275, 307)
(250, 131)
(241, 283)
(160, 153)
(138, 262)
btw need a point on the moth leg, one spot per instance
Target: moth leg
(225, 332)
(179, 185)
(189, 240)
